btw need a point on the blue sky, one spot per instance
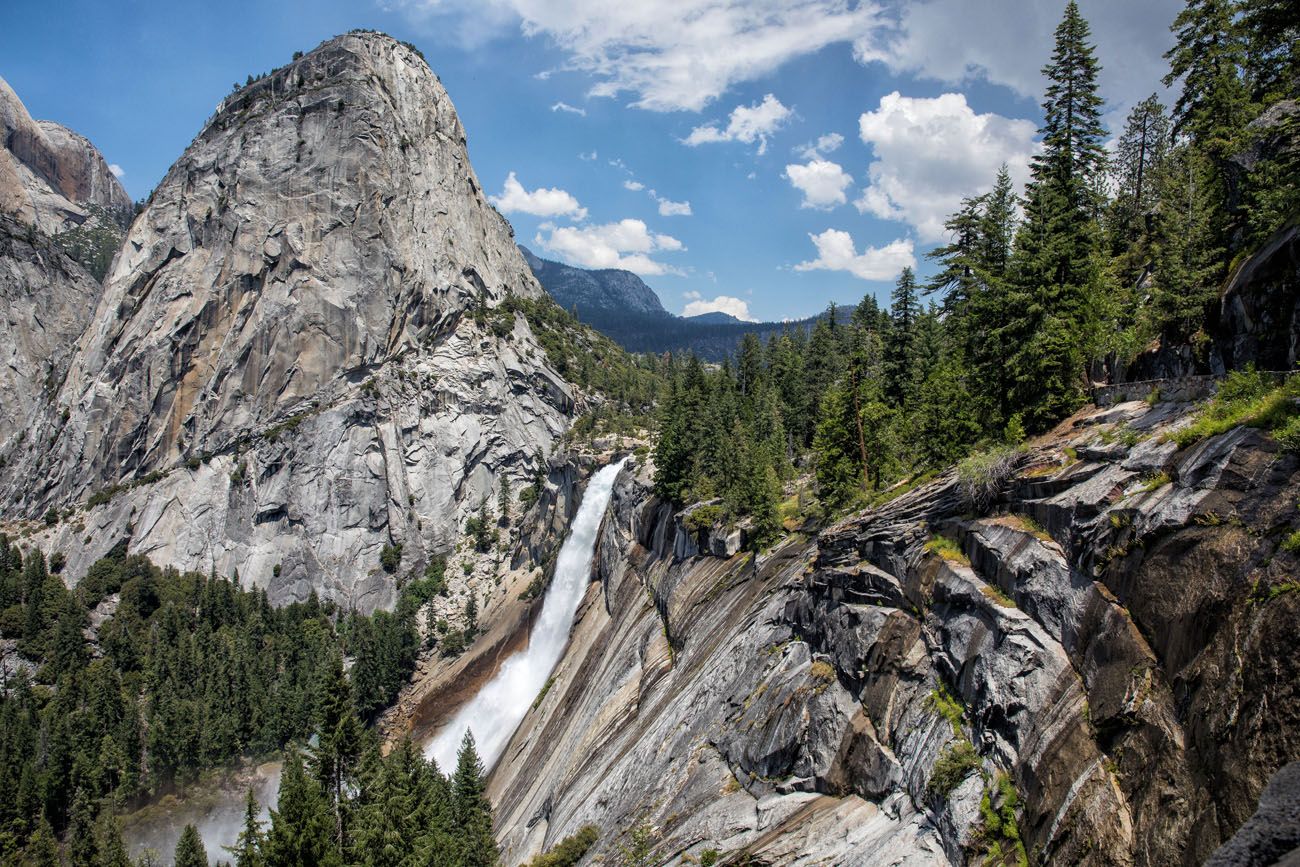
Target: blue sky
(762, 157)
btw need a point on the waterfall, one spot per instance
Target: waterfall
(498, 708)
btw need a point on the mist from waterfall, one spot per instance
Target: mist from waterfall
(498, 708)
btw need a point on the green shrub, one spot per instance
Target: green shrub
(13, 621)
(479, 528)
(704, 517)
(528, 496)
(453, 643)
(981, 476)
(709, 857)
(1291, 544)
(1288, 434)
(953, 765)
(534, 588)
(391, 557)
(1249, 398)
(570, 850)
(51, 516)
(999, 830)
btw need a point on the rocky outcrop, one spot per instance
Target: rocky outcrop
(47, 302)
(1095, 655)
(50, 175)
(1259, 320)
(305, 350)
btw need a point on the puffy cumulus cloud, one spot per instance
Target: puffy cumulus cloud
(748, 124)
(569, 109)
(541, 202)
(696, 305)
(669, 208)
(837, 252)
(669, 54)
(634, 186)
(822, 183)
(627, 244)
(118, 171)
(951, 41)
(825, 144)
(932, 152)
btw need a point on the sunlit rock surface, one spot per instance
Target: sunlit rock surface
(299, 356)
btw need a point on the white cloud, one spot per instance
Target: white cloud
(697, 305)
(118, 171)
(822, 183)
(570, 109)
(932, 152)
(626, 244)
(667, 207)
(587, 157)
(541, 202)
(951, 41)
(674, 209)
(825, 144)
(748, 124)
(837, 252)
(669, 54)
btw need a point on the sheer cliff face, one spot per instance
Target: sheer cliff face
(49, 174)
(47, 301)
(300, 355)
(1107, 643)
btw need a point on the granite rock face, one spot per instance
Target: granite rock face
(46, 302)
(304, 350)
(1101, 644)
(50, 175)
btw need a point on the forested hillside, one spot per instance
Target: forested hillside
(1105, 261)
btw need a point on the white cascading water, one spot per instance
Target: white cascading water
(498, 708)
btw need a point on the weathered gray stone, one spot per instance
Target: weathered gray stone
(302, 353)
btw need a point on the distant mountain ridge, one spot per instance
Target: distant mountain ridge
(620, 304)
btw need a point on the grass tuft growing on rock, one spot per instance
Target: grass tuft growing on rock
(954, 764)
(570, 850)
(1250, 398)
(1154, 481)
(948, 706)
(947, 549)
(999, 831)
(995, 593)
(981, 476)
(822, 670)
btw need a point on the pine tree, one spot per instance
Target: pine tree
(42, 849)
(189, 849)
(1052, 316)
(1138, 155)
(247, 850)
(1214, 106)
(1073, 134)
(1271, 29)
(900, 341)
(958, 277)
(301, 827)
(473, 812)
(839, 468)
(108, 842)
(339, 737)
